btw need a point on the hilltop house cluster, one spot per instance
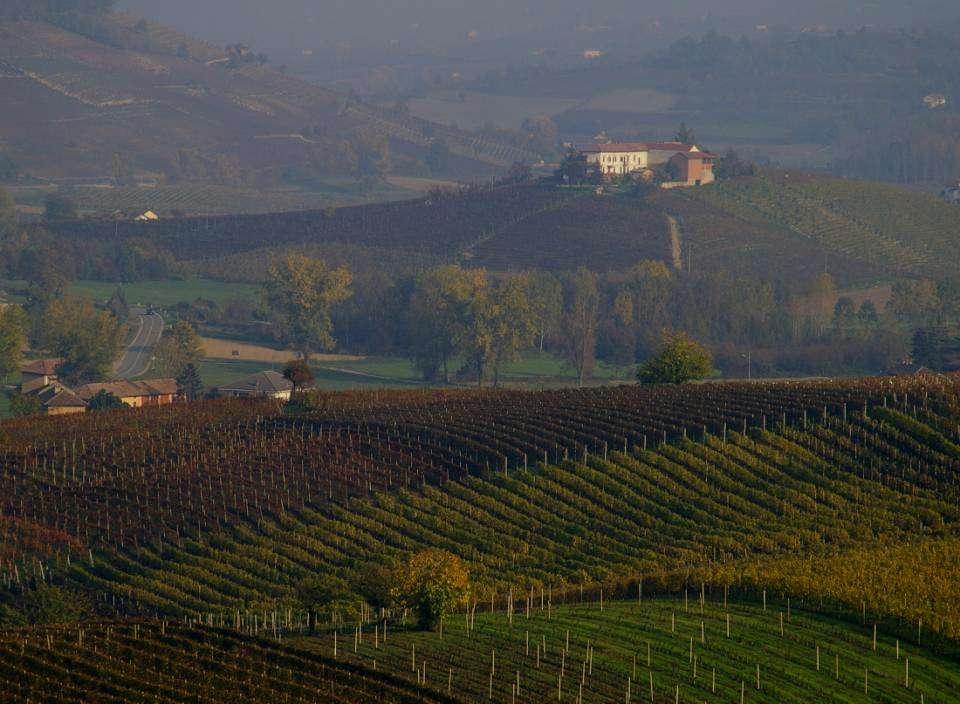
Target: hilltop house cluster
(688, 164)
(39, 379)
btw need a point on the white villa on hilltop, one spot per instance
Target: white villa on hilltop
(693, 165)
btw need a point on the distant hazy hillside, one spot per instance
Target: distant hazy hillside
(105, 96)
(787, 227)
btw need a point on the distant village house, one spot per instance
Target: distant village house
(935, 100)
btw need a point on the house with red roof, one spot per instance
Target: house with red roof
(40, 370)
(54, 399)
(693, 165)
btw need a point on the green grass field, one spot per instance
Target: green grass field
(374, 373)
(169, 292)
(533, 369)
(660, 650)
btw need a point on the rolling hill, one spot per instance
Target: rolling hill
(180, 513)
(112, 98)
(660, 650)
(139, 661)
(782, 226)
(743, 527)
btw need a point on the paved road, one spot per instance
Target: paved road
(135, 360)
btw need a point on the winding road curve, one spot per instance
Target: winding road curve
(136, 358)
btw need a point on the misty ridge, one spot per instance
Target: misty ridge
(285, 23)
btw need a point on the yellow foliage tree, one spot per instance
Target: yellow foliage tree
(432, 582)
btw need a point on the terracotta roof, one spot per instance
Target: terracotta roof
(672, 147)
(162, 387)
(59, 396)
(130, 389)
(617, 147)
(45, 367)
(268, 382)
(621, 147)
(34, 385)
(696, 155)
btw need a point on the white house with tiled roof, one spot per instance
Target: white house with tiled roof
(620, 158)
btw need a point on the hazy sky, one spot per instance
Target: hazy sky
(281, 24)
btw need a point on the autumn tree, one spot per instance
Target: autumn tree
(179, 346)
(298, 373)
(436, 319)
(432, 582)
(8, 213)
(189, 383)
(13, 331)
(822, 300)
(87, 339)
(299, 293)
(57, 207)
(916, 302)
(22, 405)
(685, 135)
(103, 400)
(678, 361)
(513, 321)
(323, 593)
(577, 337)
(545, 292)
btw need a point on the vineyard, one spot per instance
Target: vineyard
(881, 226)
(135, 476)
(436, 225)
(565, 237)
(168, 663)
(700, 646)
(842, 496)
(716, 237)
(230, 507)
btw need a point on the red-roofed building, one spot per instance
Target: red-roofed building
(55, 399)
(621, 158)
(694, 168)
(149, 392)
(44, 370)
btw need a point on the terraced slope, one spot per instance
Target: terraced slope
(123, 479)
(603, 233)
(888, 477)
(168, 663)
(662, 650)
(891, 229)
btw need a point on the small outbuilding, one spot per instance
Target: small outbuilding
(267, 384)
(58, 400)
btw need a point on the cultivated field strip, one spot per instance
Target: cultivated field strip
(679, 648)
(158, 662)
(124, 480)
(693, 504)
(879, 224)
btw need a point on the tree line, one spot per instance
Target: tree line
(465, 325)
